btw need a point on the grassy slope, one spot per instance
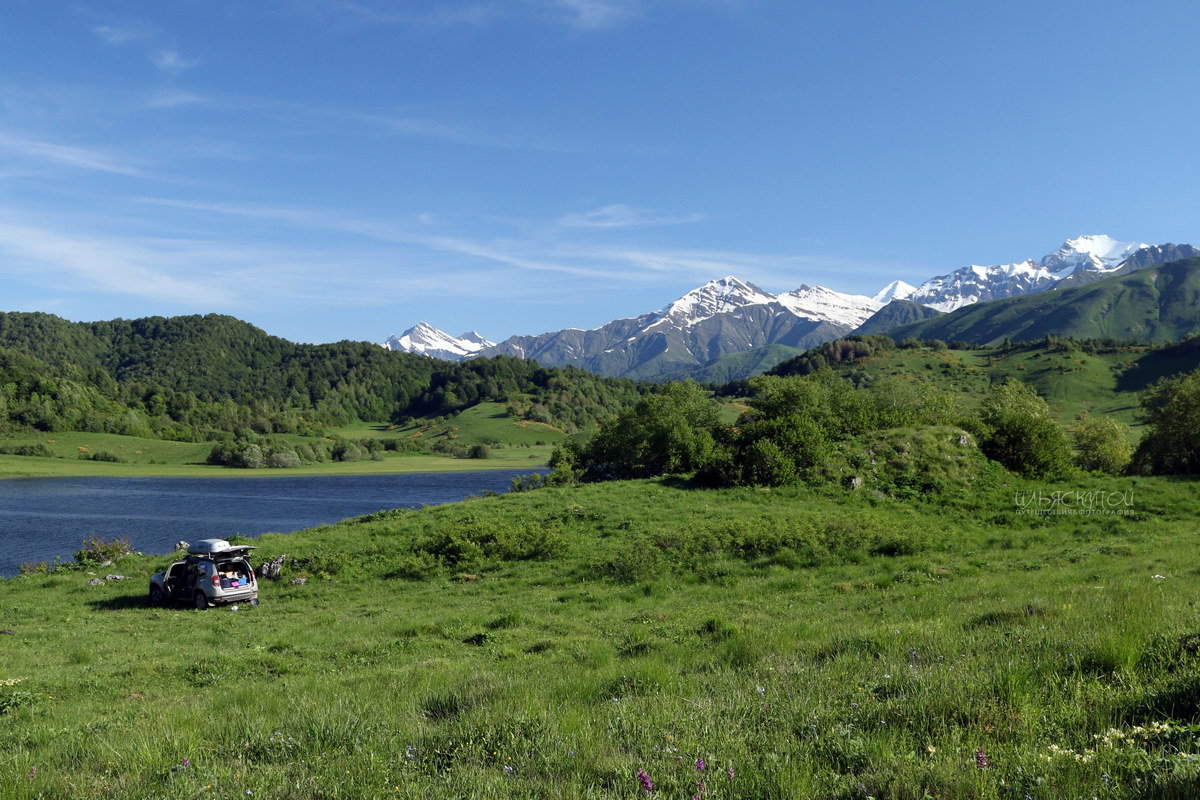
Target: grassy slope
(141, 457)
(811, 673)
(1155, 304)
(1072, 382)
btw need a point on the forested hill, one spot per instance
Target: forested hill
(197, 376)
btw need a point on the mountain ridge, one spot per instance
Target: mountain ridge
(729, 315)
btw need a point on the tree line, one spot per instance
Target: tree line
(199, 378)
(792, 425)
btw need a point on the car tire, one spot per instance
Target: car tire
(200, 601)
(156, 594)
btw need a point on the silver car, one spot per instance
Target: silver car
(214, 572)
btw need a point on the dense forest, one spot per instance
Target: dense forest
(199, 378)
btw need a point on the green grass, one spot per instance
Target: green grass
(577, 635)
(487, 423)
(154, 457)
(514, 444)
(1072, 382)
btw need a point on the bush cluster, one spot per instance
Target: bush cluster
(258, 453)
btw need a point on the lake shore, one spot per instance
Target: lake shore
(12, 467)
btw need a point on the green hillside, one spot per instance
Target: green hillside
(206, 379)
(735, 366)
(1074, 377)
(763, 643)
(1155, 305)
(895, 314)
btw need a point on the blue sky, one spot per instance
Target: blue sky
(340, 169)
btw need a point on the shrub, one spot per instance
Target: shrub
(1018, 431)
(97, 550)
(36, 450)
(1171, 412)
(1102, 444)
(102, 455)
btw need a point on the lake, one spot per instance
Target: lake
(41, 518)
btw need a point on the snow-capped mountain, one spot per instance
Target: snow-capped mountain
(1081, 259)
(427, 340)
(819, 303)
(729, 315)
(721, 317)
(896, 290)
(975, 283)
(714, 297)
(1092, 253)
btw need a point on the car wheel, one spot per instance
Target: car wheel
(254, 601)
(200, 601)
(156, 594)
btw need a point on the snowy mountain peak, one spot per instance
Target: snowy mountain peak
(820, 303)
(427, 340)
(1100, 253)
(715, 297)
(896, 290)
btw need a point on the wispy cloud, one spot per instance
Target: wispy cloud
(619, 215)
(86, 158)
(582, 14)
(125, 32)
(594, 13)
(171, 62)
(101, 264)
(147, 37)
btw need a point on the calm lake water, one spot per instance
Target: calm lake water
(41, 518)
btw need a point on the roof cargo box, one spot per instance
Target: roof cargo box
(207, 547)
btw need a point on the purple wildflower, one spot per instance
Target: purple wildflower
(700, 788)
(699, 765)
(32, 773)
(981, 759)
(730, 773)
(187, 762)
(644, 780)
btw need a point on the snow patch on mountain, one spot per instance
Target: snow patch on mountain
(826, 305)
(714, 297)
(427, 340)
(1099, 253)
(896, 290)
(975, 283)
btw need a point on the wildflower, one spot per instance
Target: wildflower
(930, 749)
(187, 762)
(32, 773)
(700, 787)
(508, 769)
(729, 772)
(699, 765)
(644, 780)
(981, 760)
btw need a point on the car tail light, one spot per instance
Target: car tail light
(216, 581)
(252, 574)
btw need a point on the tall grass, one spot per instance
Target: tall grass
(1001, 656)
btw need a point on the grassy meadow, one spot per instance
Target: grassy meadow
(514, 444)
(984, 640)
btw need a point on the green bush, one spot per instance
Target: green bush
(1017, 430)
(97, 550)
(1171, 413)
(1102, 444)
